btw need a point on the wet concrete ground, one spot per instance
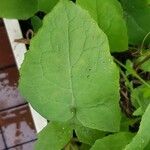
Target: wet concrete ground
(17, 130)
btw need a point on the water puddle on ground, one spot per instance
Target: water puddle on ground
(17, 125)
(9, 94)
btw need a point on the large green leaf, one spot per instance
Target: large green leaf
(20, 9)
(116, 141)
(54, 137)
(109, 16)
(46, 5)
(68, 73)
(23, 9)
(137, 13)
(142, 139)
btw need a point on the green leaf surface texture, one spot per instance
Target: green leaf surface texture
(137, 14)
(146, 66)
(142, 138)
(109, 16)
(19, 9)
(54, 137)
(68, 74)
(24, 9)
(116, 141)
(87, 135)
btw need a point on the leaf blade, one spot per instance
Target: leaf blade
(24, 9)
(111, 22)
(113, 142)
(142, 138)
(67, 76)
(87, 135)
(137, 13)
(18, 9)
(54, 136)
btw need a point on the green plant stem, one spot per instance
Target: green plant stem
(142, 45)
(143, 81)
(127, 80)
(121, 64)
(143, 61)
(133, 72)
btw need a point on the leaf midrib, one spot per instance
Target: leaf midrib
(73, 105)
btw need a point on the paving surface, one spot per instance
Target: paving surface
(17, 130)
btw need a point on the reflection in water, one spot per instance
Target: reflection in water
(17, 125)
(9, 95)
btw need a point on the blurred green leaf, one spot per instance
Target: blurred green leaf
(109, 16)
(142, 138)
(24, 9)
(87, 135)
(137, 14)
(54, 137)
(141, 96)
(116, 141)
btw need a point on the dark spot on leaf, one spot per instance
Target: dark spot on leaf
(73, 110)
